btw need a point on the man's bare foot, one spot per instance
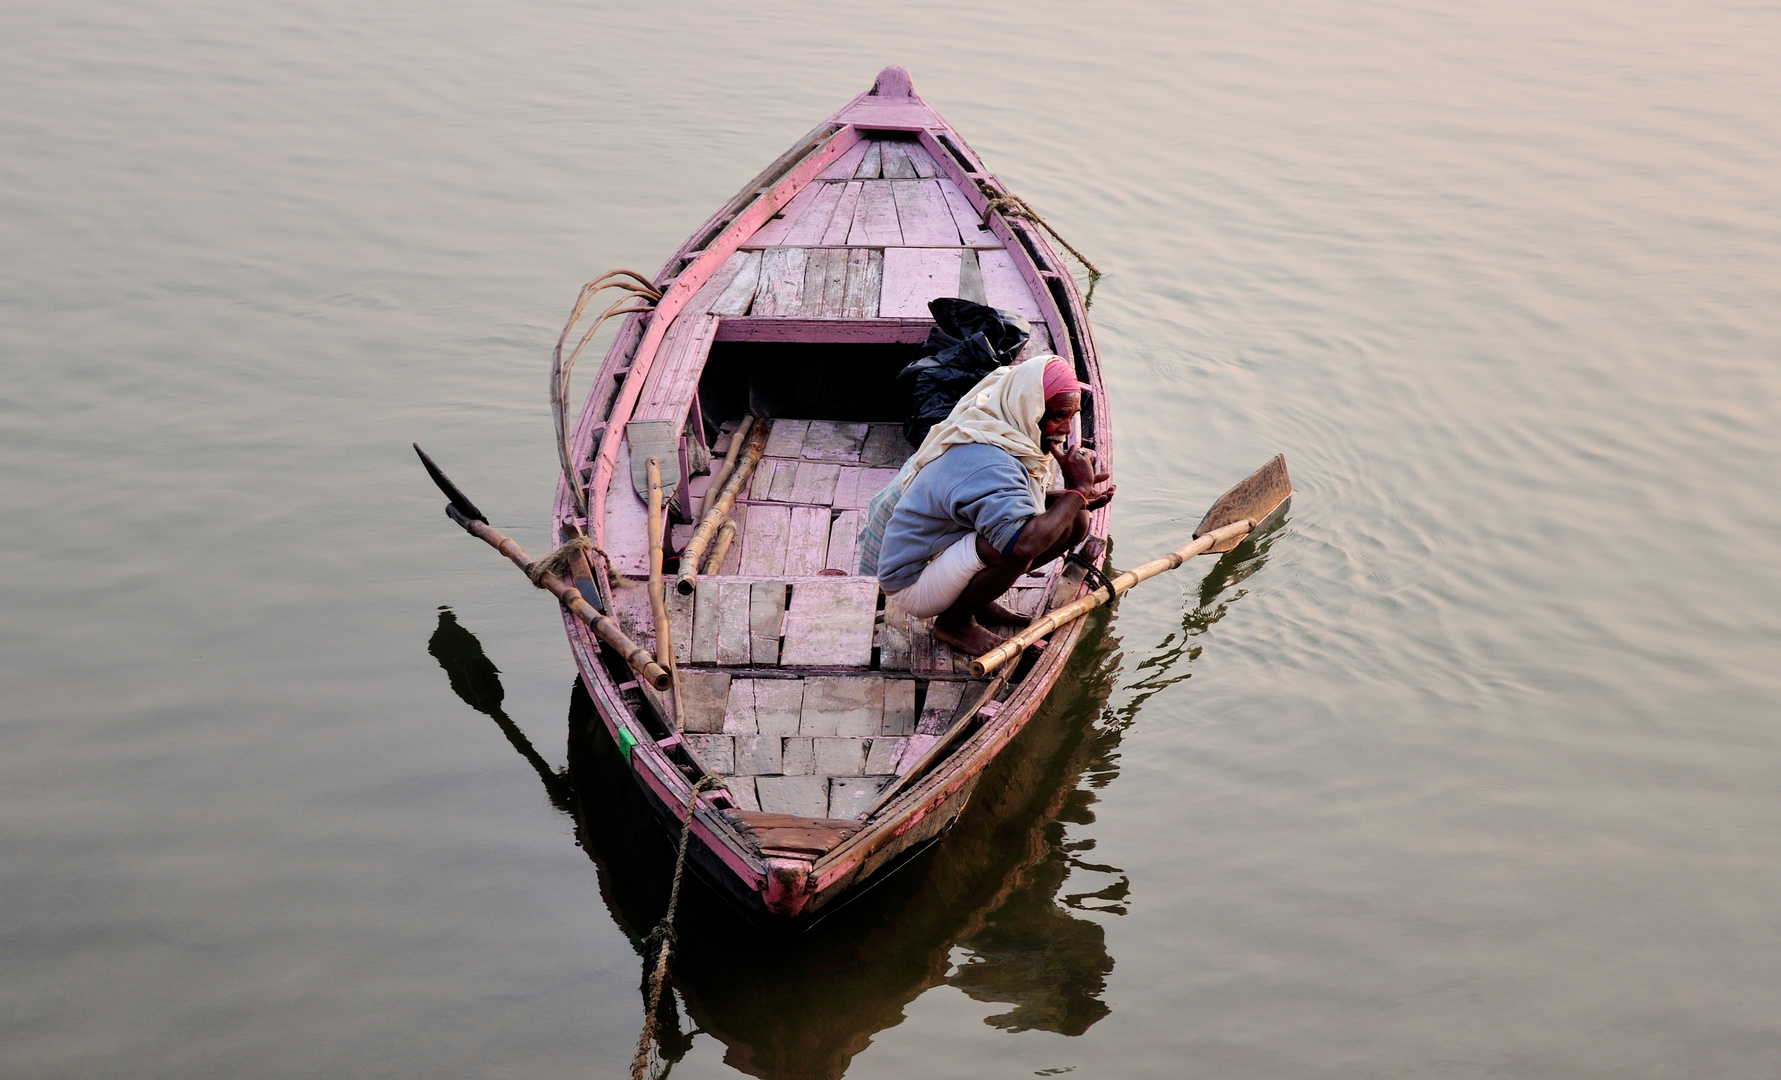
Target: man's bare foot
(965, 635)
(994, 614)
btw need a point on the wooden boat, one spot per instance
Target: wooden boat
(846, 738)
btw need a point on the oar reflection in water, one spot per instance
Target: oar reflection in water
(1234, 567)
(476, 679)
(1008, 886)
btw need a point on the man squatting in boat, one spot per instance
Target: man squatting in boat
(972, 510)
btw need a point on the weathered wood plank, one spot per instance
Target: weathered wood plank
(703, 697)
(852, 796)
(875, 217)
(813, 220)
(757, 754)
(741, 789)
(970, 225)
(936, 712)
(833, 440)
(739, 714)
(733, 619)
(779, 705)
(785, 478)
(839, 757)
(706, 618)
(1003, 285)
(883, 446)
(829, 624)
(763, 540)
(851, 705)
(923, 215)
(762, 481)
(627, 521)
(834, 285)
(799, 835)
(801, 796)
(841, 220)
(872, 482)
(921, 161)
(893, 642)
(1040, 343)
(781, 290)
(843, 542)
(847, 486)
(738, 292)
(815, 483)
(881, 756)
(843, 167)
(797, 756)
(807, 542)
(971, 277)
(680, 624)
(913, 751)
(787, 438)
(773, 232)
(913, 276)
(717, 753)
(865, 277)
(899, 709)
(870, 165)
(894, 163)
(921, 646)
(766, 611)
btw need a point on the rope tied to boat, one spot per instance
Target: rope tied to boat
(640, 295)
(663, 935)
(561, 560)
(1015, 206)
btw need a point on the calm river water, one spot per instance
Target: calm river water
(1473, 771)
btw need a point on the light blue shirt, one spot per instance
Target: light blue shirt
(971, 488)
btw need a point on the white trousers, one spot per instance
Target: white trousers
(942, 580)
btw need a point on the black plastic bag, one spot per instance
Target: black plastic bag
(968, 341)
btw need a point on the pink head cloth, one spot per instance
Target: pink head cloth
(1060, 378)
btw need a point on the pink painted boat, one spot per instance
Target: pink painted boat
(846, 737)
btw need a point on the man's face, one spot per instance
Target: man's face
(1060, 410)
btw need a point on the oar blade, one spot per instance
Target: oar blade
(1258, 498)
(458, 498)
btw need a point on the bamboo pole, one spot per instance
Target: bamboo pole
(1114, 589)
(738, 440)
(720, 547)
(657, 601)
(603, 626)
(718, 506)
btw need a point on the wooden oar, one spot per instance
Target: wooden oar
(461, 510)
(1234, 516)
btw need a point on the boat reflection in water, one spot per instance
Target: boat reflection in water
(994, 887)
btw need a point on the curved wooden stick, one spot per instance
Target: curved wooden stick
(603, 626)
(1114, 589)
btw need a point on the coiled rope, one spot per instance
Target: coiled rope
(663, 936)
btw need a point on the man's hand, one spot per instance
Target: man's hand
(1078, 467)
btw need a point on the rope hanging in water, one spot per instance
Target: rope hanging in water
(663, 936)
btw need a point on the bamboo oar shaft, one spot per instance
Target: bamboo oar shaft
(657, 602)
(717, 506)
(720, 547)
(1114, 589)
(570, 597)
(737, 441)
